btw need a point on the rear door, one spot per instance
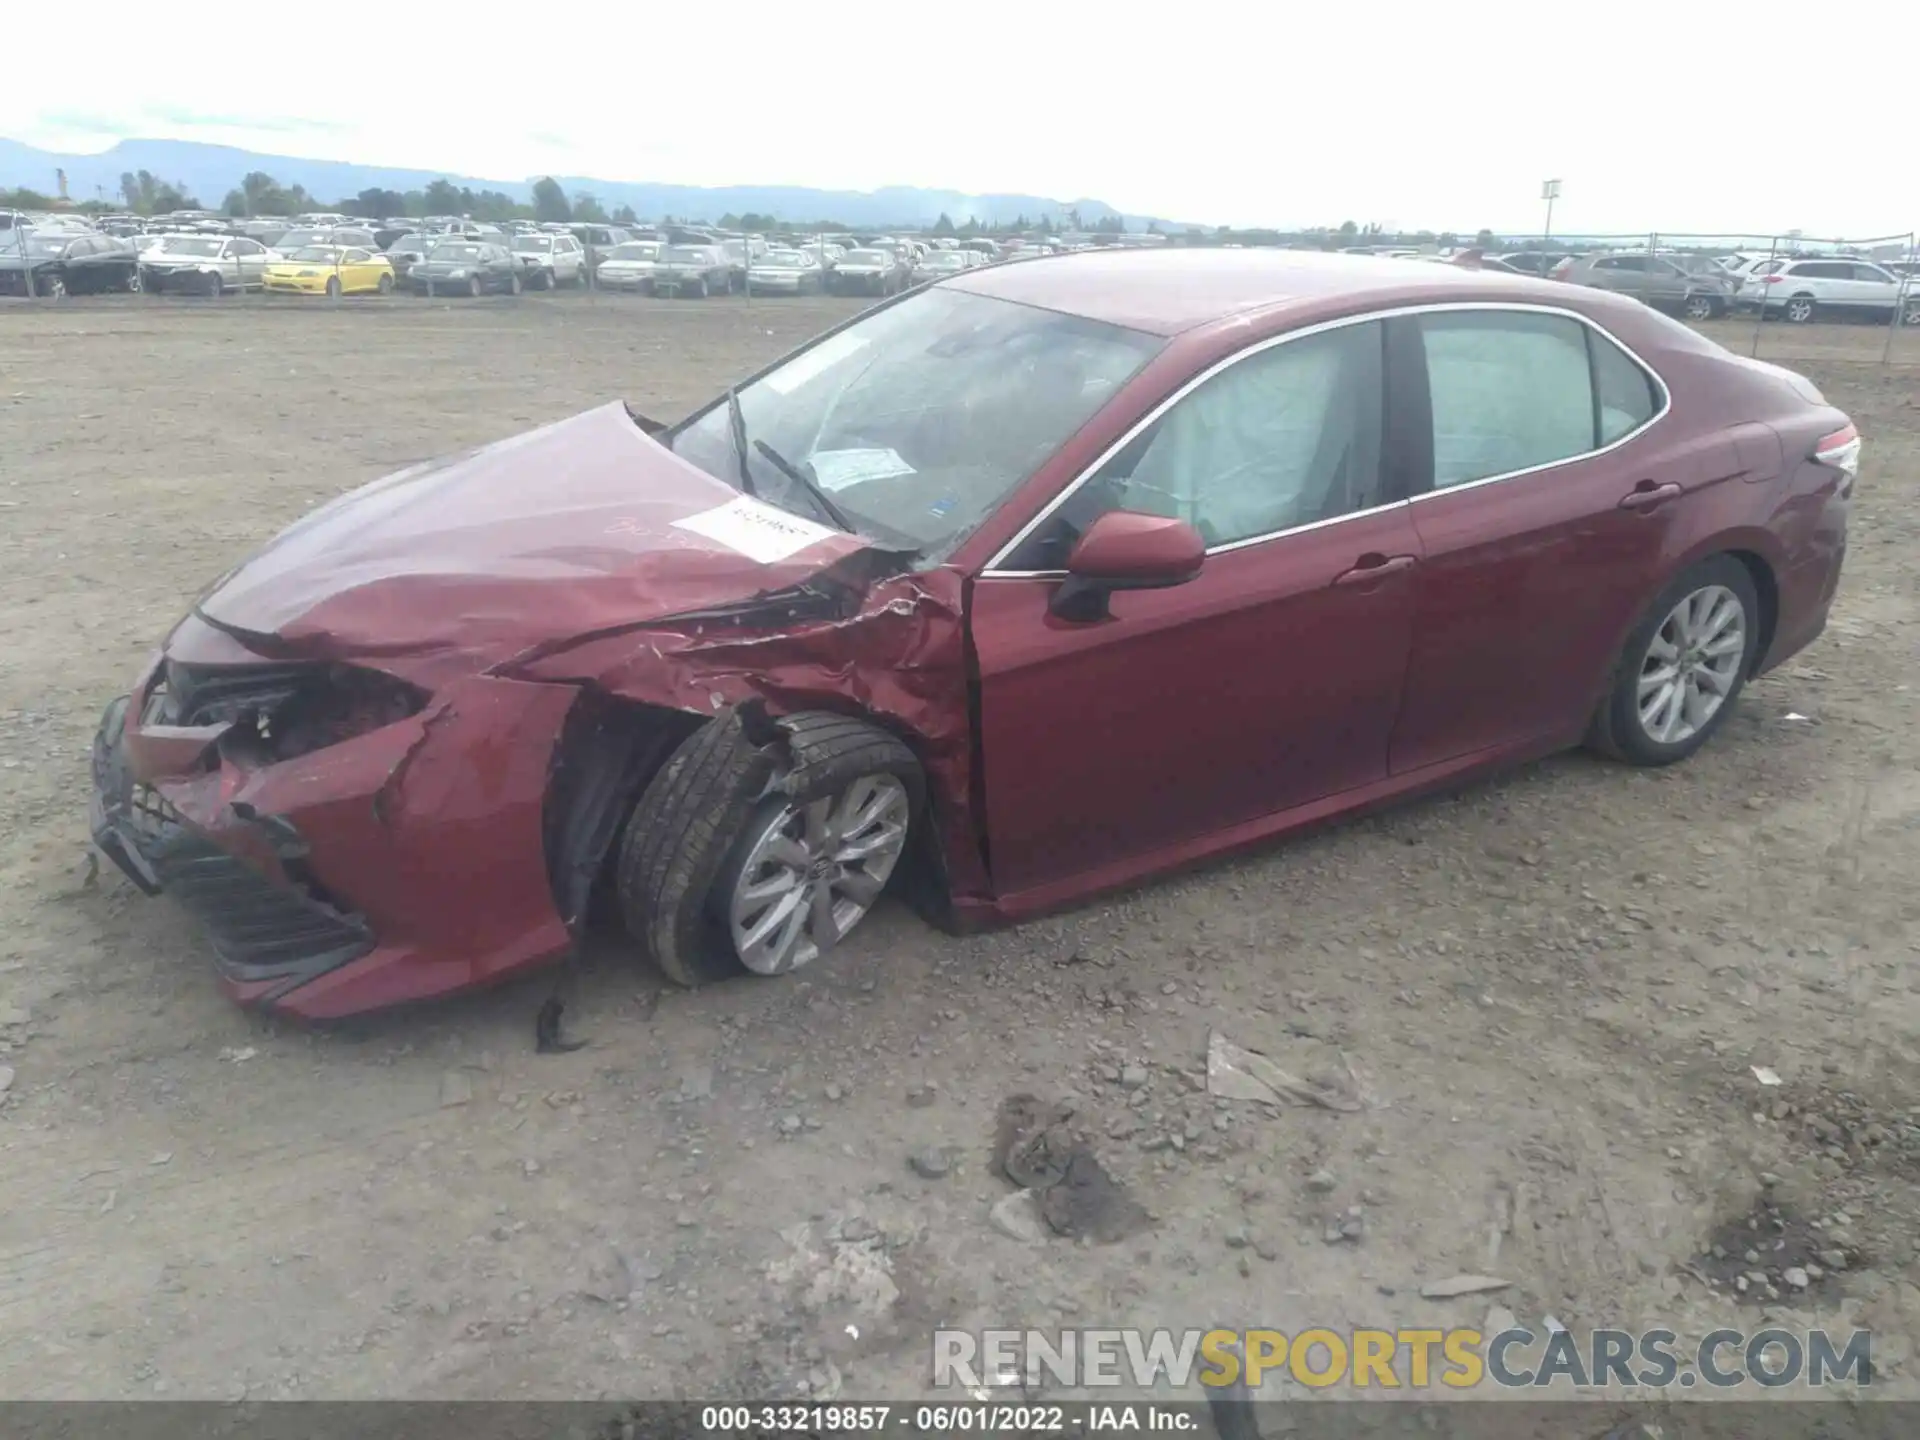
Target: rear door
(1543, 516)
(1267, 682)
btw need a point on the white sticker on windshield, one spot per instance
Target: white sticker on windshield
(755, 529)
(837, 469)
(804, 366)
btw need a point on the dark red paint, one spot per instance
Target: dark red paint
(1310, 675)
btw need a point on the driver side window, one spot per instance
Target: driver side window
(1283, 438)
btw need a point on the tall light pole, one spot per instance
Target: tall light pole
(1549, 192)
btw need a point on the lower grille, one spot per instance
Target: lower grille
(260, 930)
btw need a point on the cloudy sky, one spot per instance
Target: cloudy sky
(1682, 117)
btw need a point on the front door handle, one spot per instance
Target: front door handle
(1646, 495)
(1369, 568)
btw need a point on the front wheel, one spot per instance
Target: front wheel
(333, 288)
(133, 281)
(216, 286)
(513, 283)
(1911, 315)
(1683, 666)
(702, 290)
(53, 287)
(474, 287)
(762, 857)
(386, 284)
(1800, 309)
(1701, 307)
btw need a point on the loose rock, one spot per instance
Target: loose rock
(1796, 1277)
(930, 1163)
(1321, 1182)
(455, 1089)
(1017, 1216)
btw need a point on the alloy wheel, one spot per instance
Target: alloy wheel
(1800, 311)
(1911, 315)
(814, 871)
(1699, 307)
(1691, 665)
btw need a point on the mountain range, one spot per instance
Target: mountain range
(208, 172)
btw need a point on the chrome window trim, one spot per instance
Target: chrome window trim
(993, 572)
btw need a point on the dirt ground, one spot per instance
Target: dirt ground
(1549, 990)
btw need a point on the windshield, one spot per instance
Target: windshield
(641, 250)
(533, 244)
(783, 260)
(47, 244)
(943, 260)
(868, 257)
(189, 245)
(455, 250)
(326, 254)
(919, 419)
(684, 254)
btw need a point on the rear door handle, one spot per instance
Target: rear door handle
(1369, 568)
(1645, 496)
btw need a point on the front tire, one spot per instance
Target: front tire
(1701, 307)
(513, 283)
(386, 284)
(743, 857)
(1683, 666)
(52, 287)
(1911, 314)
(475, 286)
(333, 288)
(702, 290)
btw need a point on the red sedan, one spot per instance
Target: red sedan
(1027, 585)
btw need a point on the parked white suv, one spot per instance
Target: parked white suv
(1803, 289)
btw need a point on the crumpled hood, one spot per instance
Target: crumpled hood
(561, 532)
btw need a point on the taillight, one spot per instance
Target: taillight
(1773, 279)
(1560, 271)
(1841, 451)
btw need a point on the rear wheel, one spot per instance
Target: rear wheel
(1911, 314)
(761, 858)
(475, 286)
(1683, 666)
(1800, 309)
(53, 287)
(216, 286)
(513, 283)
(386, 284)
(133, 281)
(701, 289)
(333, 288)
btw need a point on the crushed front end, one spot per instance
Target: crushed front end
(348, 840)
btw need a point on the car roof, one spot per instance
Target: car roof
(1165, 292)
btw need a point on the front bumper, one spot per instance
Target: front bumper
(788, 283)
(297, 284)
(403, 863)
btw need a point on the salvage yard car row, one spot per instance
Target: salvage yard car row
(330, 258)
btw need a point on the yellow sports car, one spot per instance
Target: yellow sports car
(331, 270)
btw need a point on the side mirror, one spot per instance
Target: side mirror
(1126, 550)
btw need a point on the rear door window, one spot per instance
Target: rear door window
(1511, 390)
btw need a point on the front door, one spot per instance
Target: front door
(1543, 530)
(1268, 681)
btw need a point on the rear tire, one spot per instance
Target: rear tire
(217, 286)
(695, 824)
(53, 287)
(475, 286)
(1911, 314)
(1621, 728)
(513, 283)
(701, 290)
(386, 284)
(1800, 310)
(333, 288)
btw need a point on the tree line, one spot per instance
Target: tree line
(260, 194)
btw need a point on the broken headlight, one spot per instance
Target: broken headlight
(280, 712)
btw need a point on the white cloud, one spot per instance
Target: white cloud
(1682, 118)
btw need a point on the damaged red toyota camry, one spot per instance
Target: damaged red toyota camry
(1024, 586)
